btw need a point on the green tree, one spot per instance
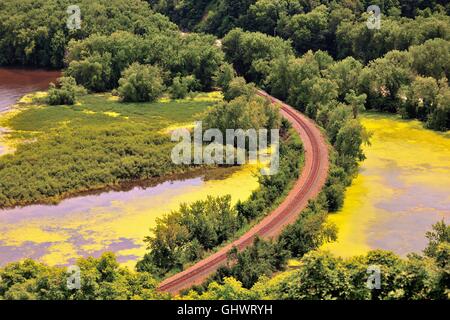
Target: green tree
(181, 86)
(356, 102)
(432, 58)
(141, 83)
(308, 233)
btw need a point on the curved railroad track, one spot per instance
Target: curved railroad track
(307, 187)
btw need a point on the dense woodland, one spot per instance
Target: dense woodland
(319, 56)
(402, 67)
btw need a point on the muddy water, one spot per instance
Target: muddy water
(114, 221)
(14, 83)
(402, 190)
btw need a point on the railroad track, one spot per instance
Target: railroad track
(307, 187)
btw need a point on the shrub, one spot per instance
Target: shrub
(182, 86)
(63, 92)
(238, 87)
(141, 83)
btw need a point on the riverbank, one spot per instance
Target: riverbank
(401, 191)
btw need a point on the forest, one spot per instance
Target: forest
(403, 67)
(129, 56)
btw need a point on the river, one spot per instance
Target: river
(402, 190)
(114, 221)
(16, 82)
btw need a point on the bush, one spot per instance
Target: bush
(63, 92)
(238, 87)
(225, 75)
(182, 86)
(141, 83)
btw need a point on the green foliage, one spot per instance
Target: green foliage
(182, 86)
(244, 112)
(322, 276)
(263, 258)
(440, 234)
(98, 61)
(184, 235)
(309, 232)
(34, 32)
(432, 58)
(140, 83)
(306, 30)
(101, 279)
(64, 92)
(248, 51)
(225, 76)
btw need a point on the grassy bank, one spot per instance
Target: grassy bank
(94, 144)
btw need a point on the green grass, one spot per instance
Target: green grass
(92, 145)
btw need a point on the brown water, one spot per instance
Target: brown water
(16, 82)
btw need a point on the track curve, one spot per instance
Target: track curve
(307, 187)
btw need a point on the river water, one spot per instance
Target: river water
(114, 221)
(16, 82)
(402, 190)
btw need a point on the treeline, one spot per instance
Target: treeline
(34, 32)
(141, 68)
(319, 275)
(413, 83)
(311, 21)
(190, 233)
(121, 45)
(100, 279)
(322, 276)
(402, 67)
(98, 62)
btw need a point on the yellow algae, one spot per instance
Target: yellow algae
(197, 97)
(59, 254)
(31, 97)
(209, 96)
(111, 114)
(402, 189)
(164, 100)
(114, 98)
(170, 129)
(293, 263)
(116, 221)
(23, 233)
